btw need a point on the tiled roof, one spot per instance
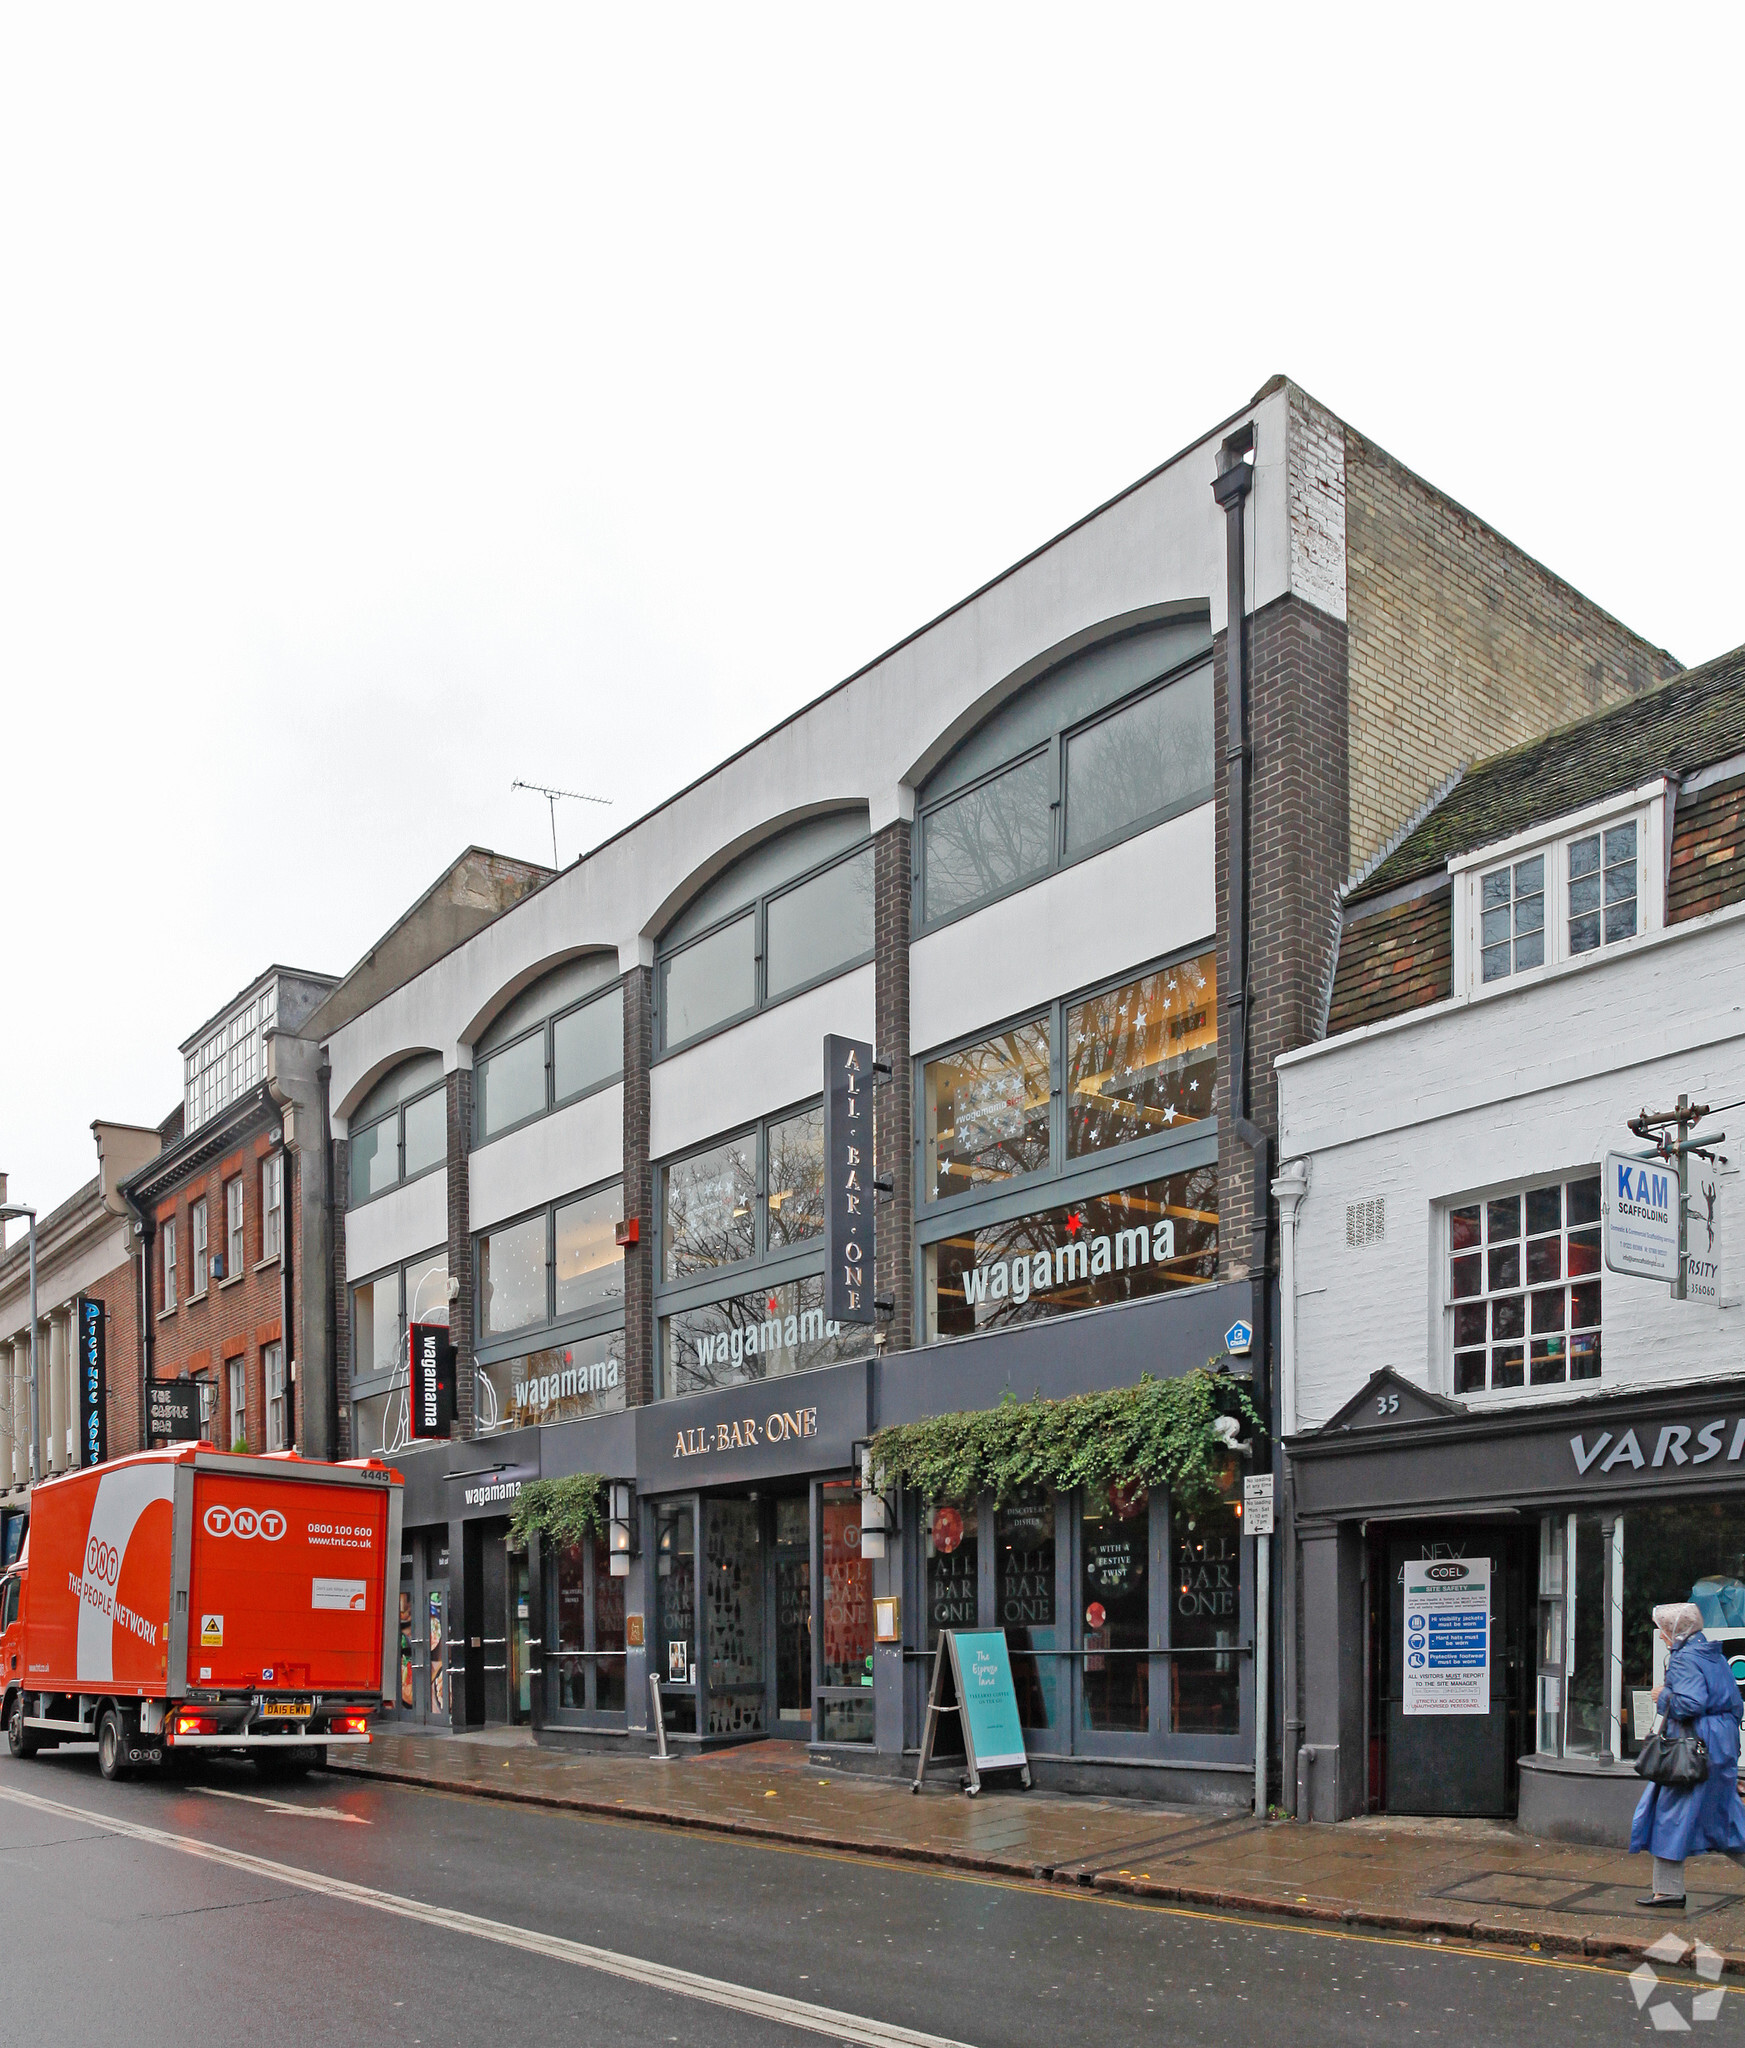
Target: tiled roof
(1395, 959)
(1696, 719)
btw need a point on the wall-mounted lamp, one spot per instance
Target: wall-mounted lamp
(620, 1531)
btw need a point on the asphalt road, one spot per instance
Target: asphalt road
(218, 1909)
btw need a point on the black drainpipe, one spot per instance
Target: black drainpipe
(1231, 487)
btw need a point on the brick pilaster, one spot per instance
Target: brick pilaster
(638, 1188)
(893, 1129)
(339, 1166)
(460, 1242)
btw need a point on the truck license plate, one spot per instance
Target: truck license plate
(289, 1710)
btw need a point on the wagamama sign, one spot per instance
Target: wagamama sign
(1021, 1274)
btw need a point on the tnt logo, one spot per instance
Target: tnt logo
(266, 1523)
(1704, 2005)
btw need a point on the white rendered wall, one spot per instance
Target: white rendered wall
(1477, 1095)
(769, 1061)
(398, 1225)
(552, 1156)
(1144, 898)
(870, 740)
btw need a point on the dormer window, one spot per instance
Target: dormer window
(1545, 898)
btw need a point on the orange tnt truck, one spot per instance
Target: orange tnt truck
(183, 1600)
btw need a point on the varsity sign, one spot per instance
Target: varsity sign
(848, 1187)
(432, 1364)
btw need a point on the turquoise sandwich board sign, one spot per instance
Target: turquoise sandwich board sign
(973, 1665)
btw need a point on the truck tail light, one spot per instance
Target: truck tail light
(196, 1724)
(351, 1724)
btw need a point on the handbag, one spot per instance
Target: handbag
(1677, 1760)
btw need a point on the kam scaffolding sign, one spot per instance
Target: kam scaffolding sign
(1639, 1208)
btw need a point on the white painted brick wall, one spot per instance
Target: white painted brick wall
(1473, 1096)
(1317, 504)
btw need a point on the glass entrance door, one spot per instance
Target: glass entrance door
(733, 1611)
(793, 1614)
(674, 1655)
(520, 1643)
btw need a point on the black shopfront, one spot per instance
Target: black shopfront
(1588, 1513)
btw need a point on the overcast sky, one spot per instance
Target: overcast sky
(397, 402)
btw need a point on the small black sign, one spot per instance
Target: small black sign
(848, 1182)
(432, 1363)
(93, 1383)
(173, 1411)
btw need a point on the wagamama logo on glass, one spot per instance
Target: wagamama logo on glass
(1026, 1273)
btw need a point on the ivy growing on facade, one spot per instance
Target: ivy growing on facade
(564, 1511)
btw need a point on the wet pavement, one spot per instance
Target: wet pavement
(1464, 1880)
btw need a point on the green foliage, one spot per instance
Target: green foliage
(239, 1449)
(565, 1511)
(1160, 1433)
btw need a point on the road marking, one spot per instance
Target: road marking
(849, 2028)
(284, 1806)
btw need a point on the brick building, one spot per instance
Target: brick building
(1069, 857)
(1474, 1382)
(86, 1261)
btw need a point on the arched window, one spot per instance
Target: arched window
(789, 914)
(1111, 742)
(554, 1043)
(400, 1129)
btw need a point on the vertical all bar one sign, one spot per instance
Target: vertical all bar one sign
(93, 1383)
(848, 1184)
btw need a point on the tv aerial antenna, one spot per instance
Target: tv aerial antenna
(551, 796)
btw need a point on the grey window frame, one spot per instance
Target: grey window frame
(744, 1276)
(199, 1248)
(167, 1260)
(364, 1385)
(549, 1331)
(758, 907)
(1070, 1738)
(1055, 748)
(1061, 1173)
(397, 1117)
(553, 1101)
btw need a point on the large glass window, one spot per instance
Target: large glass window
(560, 1383)
(1083, 771)
(787, 939)
(1146, 761)
(1115, 1608)
(524, 1069)
(988, 840)
(708, 1205)
(1524, 1288)
(563, 1262)
(382, 1308)
(761, 1336)
(1206, 1618)
(845, 1707)
(952, 1570)
(1024, 1605)
(987, 1110)
(512, 1277)
(408, 1139)
(1142, 1058)
(1148, 1238)
(795, 1200)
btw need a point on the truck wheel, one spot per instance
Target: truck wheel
(19, 1738)
(111, 1746)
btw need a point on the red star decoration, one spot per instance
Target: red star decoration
(1074, 1224)
(772, 1304)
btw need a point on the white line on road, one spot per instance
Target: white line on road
(285, 1806)
(846, 2027)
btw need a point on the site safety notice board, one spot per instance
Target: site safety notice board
(1447, 1636)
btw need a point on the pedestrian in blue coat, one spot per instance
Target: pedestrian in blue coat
(1676, 1821)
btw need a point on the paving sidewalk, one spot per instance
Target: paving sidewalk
(1453, 1880)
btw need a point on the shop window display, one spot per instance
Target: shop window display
(1206, 1618)
(733, 1614)
(848, 1638)
(953, 1586)
(1024, 1604)
(1115, 1608)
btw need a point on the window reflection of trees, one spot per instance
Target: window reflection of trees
(1153, 756)
(989, 838)
(989, 1109)
(796, 1179)
(1142, 1059)
(708, 1209)
(698, 1341)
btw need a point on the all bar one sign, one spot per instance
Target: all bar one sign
(848, 1183)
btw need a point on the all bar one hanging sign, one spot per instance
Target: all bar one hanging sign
(848, 1184)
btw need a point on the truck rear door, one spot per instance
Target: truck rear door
(285, 1584)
